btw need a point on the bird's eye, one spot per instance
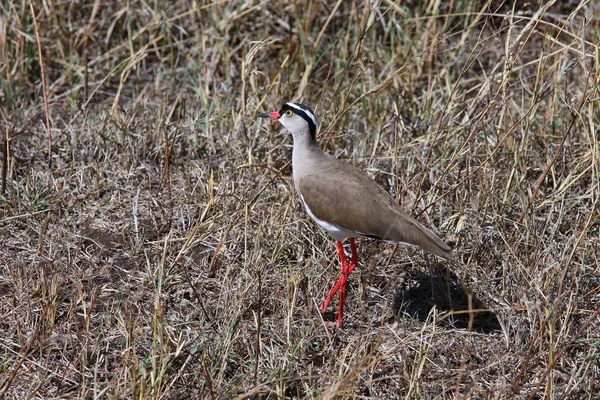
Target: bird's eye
(289, 113)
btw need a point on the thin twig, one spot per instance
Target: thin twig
(44, 90)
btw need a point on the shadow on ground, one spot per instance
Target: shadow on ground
(424, 292)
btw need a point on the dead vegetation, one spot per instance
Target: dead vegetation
(162, 253)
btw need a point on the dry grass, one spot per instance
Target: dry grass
(163, 253)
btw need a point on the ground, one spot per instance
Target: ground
(153, 245)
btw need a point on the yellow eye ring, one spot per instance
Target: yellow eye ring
(289, 113)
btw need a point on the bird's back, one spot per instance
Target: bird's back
(339, 193)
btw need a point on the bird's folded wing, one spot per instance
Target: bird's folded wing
(356, 203)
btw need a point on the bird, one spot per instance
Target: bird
(344, 201)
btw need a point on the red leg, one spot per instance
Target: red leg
(325, 304)
(343, 286)
(354, 260)
(343, 281)
(353, 263)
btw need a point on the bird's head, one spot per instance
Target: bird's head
(296, 118)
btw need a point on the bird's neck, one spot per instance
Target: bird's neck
(306, 152)
(304, 140)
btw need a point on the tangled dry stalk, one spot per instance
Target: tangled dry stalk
(161, 251)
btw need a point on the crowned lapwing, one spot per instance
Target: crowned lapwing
(344, 201)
